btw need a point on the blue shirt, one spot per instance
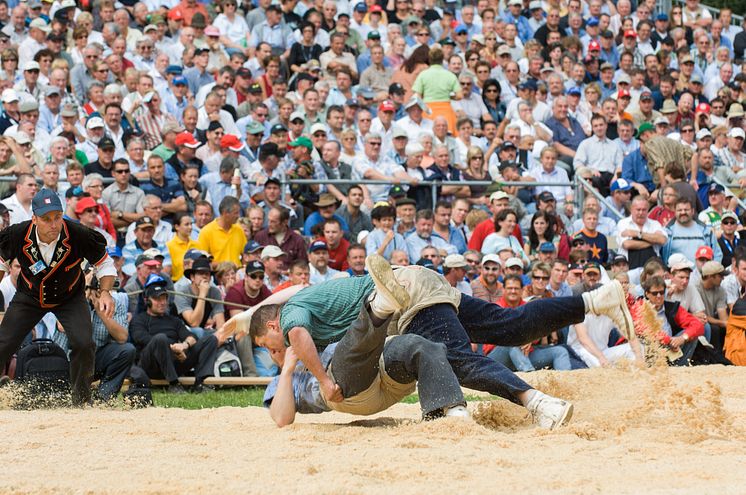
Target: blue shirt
(315, 218)
(635, 169)
(169, 191)
(306, 389)
(375, 240)
(455, 238)
(568, 137)
(131, 251)
(415, 245)
(521, 23)
(217, 189)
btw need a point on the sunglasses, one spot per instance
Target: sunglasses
(728, 222)
(256, 276)
(375, 144)
(122, 171)
(537, 277)
(657, 293)
(90, 210)
(490, 268)
(687, 130)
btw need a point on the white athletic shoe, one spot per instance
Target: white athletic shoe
(549, 412)
(610, 300)
(386, 285)
(456, 412)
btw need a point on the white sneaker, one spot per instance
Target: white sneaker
(456, 412)
(386, 285)
(549, 412)
(610, 300)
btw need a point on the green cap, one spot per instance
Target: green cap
(302, 141)
(647, 126)
(254, 127)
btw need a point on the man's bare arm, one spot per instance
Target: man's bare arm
(300, 339)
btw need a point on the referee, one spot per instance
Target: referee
(50, 251)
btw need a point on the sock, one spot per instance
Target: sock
(530, 395)
(380, 307)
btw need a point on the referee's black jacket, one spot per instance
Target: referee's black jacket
(63, 278)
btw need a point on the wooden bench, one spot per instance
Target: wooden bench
(227, 381)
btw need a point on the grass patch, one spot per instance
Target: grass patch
(231, 397)
(246, 396)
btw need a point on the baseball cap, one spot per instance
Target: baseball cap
(491, 258)
(180, 81)
(252, 246)
(678, 261)
(427, 263)
(374, 35)
(144, 221)
(594, 46)
(498, 195)
(352, 102)
(231, 142)
(76, 192)
(243, 72)
(630, 33)
(114, 252)
(514, 262)
(455, 261)
(624, 79)
(31, 65)
(361, 7)
(623, 93)
(317, 127)
(646, 126)
(661, 17)
(39, 23)
(591, 266)
(278, 128)
(195, 254)
(45, 201)
(703, 108)
(528, 84)
(27, 106)
(318, 246)
(621, 185)
(174, 69)
(255, 88)
(715, 188)
(302, 141)
(661, 121)
(254, 127)
(94, 123)
(702, 252)
(84, 204)
(106, 143)
(728, 214)
(147, 261)
(272, 252)
(186, 139)
(546, 196)
(737, 132)
(51, 90)
(396, 88)
(619, 258)
(254, 267)
(712, 268)
(696, 78)
(387, 106)
(574, 91)
(703, 133)
(9, 95)
(398, 132)
(507, 144)
(646, 95)
(547, 247)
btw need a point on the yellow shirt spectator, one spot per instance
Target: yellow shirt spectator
(222, 244)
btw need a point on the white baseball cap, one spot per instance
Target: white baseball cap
(491, 257)
(455, 261)
(272, 252)
(511, 262)
(736, 132)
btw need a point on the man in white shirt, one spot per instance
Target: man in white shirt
(413, 123)
(19, 204)
(639, 237)
(599, 156)
(318, 260)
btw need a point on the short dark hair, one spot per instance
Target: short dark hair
(355, 246)
(514, 278)
(424, 214)
(227, 204)
(259, 319)
(655, 281)
(383, 211)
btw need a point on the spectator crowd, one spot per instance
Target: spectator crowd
(227, 150)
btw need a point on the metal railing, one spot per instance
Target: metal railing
(736, 20)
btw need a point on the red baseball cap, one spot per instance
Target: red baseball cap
(623, 93)
(186, 139)
(84, 204)
(387, 106)
(703, 108)
(630, 33)
(231, 142)
(176, 15)
(593, 45)
(704, 252)
(375, 8)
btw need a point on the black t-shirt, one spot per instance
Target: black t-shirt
(97, 168)
(144, 327)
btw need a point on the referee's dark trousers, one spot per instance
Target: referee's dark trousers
(74, 315)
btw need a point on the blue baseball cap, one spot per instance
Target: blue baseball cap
(661, 17)
(180, 80)
(461, 29)
(317, 246)
(620, 185)
(174, 69)
(45, 201)
(114, 252)
(574, 91)
(252, 246)
(593, 21)
(547, 247)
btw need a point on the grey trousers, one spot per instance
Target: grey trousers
(406, 357)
